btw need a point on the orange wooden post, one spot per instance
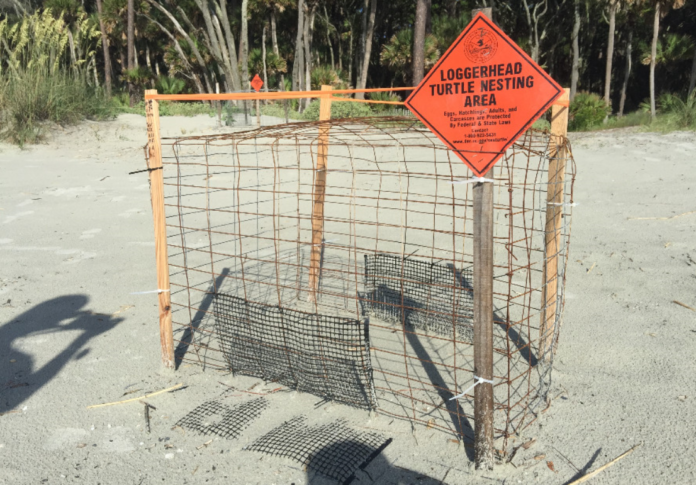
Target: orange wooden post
(554, 219)
(154, 146)
(319, 194)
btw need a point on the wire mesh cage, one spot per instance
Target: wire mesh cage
(377, 312)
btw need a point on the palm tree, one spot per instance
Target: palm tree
(613, 7)
(661, 9)
(105, 45)
(418, 67)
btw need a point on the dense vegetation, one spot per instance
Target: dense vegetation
(64, 60)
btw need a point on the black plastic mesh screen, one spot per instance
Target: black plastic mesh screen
(422, 294)
(215, 418)
(333, 449)
(324, 355)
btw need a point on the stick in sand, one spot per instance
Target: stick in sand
(604, 467)
(135, 398)
(684, 305)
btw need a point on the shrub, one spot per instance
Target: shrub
(587, 111)
(339, 109)
(677, 113)
(41, 81)
(383, 96)
(170, 85)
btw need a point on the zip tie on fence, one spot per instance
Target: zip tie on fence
(479, 380)
(472, 180)
(569, 204)
(149, 292)
(145, 170)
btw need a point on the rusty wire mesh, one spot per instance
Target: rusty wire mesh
(396, 259)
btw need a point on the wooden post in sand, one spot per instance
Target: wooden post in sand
(554, 219)
(319, 193)
(154, 147)
(483, 316)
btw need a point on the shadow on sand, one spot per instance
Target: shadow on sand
(19, 376)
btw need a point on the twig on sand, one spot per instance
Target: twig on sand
(147, 413)
(660, 218)
(10, 412)
(604, 467)
(135, 398)
(591, 268)
(204, 445)
(684, 305)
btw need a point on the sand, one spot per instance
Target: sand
(76, 240)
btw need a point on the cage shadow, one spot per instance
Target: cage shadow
(189, 334)
(376, 467)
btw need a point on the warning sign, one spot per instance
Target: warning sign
(483, 93)
(257, 83)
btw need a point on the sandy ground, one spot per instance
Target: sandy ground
(76, 241)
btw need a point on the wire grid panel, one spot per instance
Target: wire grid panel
(332, 449)
(396, 253)
(320, 354)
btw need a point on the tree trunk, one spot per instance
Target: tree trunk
(234, 68)
(71, 42)
(274, 40)
(350, 54)
(418, 56)
(692, 81)
(298, 64)
(244, 54)
(328, 39)
(130, 48)
(575, 72)
(340, 51)
(263, 57)
(653, 59)
(107, 56)
(192, 45)
(309, 21)
(182, 56)
(610, 53)
(367, 47)
(627, 74)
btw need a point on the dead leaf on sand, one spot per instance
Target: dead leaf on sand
(551, 467)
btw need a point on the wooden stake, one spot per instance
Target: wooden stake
(157, 195)
(483, 317)
(258, 114)
(554, 219)
(319, 193)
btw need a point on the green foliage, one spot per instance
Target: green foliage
(40, 81)
(278, 110)
(274, 64)
(396, 54)
(341, 109)
(170, 85)
(383, 108)
(587, 111)
(676, 113)
(324, 75)
(447, 28)
(542, 124)
(166, 108)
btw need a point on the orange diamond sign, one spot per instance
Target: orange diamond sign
(257, 83)
(482, 94)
